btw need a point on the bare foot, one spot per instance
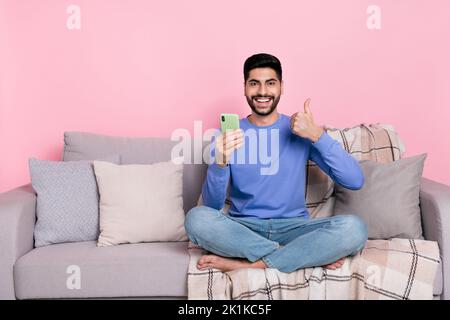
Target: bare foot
(227, 264)
(335, 265)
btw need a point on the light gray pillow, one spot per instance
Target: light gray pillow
(67, 200)
(389, 200)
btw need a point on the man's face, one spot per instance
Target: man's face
(263, 90)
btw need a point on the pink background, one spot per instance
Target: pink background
(145, 68)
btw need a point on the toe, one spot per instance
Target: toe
(203, 259)
(204, 266)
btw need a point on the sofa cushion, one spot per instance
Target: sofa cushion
(140, 150)
(67, 200)
(389, 200)
(128, 270)
(140, 203)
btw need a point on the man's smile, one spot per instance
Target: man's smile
(263, 101)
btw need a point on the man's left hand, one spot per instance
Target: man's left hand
(302, 124)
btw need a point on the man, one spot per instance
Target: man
(268, 225)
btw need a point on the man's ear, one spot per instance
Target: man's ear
(282, 86)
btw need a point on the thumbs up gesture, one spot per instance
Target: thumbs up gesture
(302, 124)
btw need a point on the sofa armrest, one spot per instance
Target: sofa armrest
(435, 210)
(17, 219)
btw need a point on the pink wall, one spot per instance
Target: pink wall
(145, 68)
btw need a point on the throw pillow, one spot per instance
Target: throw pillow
(140, 202)
(389, 200)
(67, 200)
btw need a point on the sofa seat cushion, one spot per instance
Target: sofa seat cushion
(128, 270)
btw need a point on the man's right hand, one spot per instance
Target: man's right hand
(226, 143)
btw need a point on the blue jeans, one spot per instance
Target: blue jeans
(285, 244)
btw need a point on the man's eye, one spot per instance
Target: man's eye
(253, 84)
(271, 83)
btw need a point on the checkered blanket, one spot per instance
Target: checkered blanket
(397, 269)
(394, 269)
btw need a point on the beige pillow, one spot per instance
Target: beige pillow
(140, 202)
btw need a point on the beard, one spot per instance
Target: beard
(266, 110)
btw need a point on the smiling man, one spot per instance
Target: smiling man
(268, 225)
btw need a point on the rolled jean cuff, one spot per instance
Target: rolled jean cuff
(268, 262)
(253, 257)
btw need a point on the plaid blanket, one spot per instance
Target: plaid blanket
(397, 269)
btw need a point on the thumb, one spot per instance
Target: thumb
(306, 106)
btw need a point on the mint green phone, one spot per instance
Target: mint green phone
(229, 121)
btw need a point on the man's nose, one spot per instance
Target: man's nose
(262, 90)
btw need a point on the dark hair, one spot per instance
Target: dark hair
(262, 60)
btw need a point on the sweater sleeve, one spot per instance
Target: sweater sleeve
(344, 169)
(214, 190)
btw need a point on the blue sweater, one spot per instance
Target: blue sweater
(270, 183)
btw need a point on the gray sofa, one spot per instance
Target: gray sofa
(150, 270)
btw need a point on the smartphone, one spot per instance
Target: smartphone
(229, 121)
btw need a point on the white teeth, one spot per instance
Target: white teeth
(263, 100)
